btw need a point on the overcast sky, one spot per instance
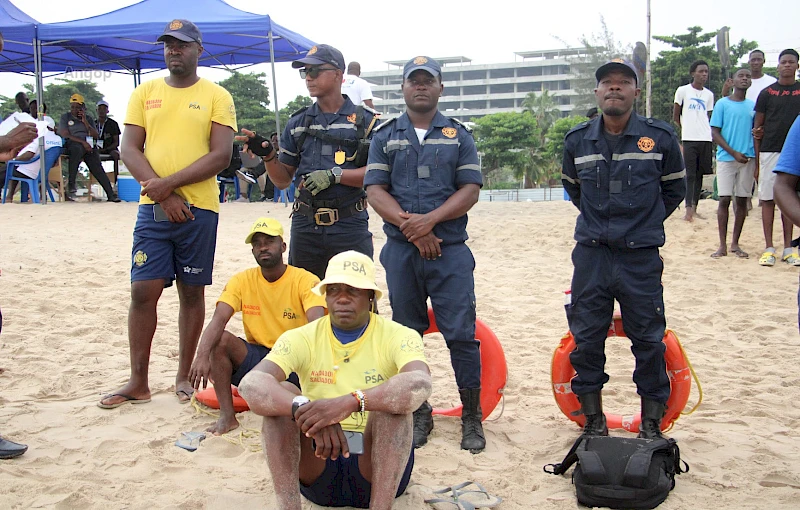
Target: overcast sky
(486, 32)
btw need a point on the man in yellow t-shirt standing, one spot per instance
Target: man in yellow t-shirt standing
(348, 437)
(178, 135)
(273, 299)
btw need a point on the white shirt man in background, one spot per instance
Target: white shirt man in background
(693, 105)
(357, 89)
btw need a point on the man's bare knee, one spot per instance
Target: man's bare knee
(146, 292)
(191, 295)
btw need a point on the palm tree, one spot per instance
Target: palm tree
(544, 109)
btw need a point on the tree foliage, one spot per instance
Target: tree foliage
(555, 136)
(56, 97)
(293, 106)
(599, 48)
(671, 69)
(504, 140)
(251, 96)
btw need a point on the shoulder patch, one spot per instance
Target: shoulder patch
(660, 124)
(467, 128)
(383, 124)
(298, 112)
(582, 125)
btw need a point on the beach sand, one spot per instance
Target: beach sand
(64, 293)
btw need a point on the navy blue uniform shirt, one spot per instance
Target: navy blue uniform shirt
(421, 177)
(317, 154)
(624, 193)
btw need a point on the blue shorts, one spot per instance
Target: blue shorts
(341, 484)
(165, 251)
(255, 353)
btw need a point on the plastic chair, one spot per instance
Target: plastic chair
(223, 181)
(50, 157)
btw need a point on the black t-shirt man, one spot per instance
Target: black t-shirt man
(780, 105)
(107, 131)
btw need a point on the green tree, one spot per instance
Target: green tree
(251, 95)
(56, 97)
(505, 140)
(291, 107)
(555, 137)
(671, 69)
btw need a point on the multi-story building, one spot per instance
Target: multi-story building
(472, 91)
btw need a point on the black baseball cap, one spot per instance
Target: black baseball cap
(321, 54)
(616, 64)
(424, 63)
(182, 30)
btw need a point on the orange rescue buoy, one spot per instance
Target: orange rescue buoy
(209, 397)
(494, 372)
(680, 379)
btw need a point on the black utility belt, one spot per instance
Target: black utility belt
(327, 216)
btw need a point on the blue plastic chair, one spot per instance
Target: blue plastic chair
(50, 157)
(228, 180)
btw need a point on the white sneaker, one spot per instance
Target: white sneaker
(242, 199)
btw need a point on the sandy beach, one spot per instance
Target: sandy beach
(64, 293)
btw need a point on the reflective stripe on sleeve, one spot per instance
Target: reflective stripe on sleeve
(673, 176)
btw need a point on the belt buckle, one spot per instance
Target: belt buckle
(332, 215)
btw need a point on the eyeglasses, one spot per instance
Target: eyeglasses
(313, 72)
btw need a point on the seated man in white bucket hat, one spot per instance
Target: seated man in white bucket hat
(348, 437)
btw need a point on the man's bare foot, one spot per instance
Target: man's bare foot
(184, 391)
(129, 392)
(689, 216)
(721, 252)
(223, 425)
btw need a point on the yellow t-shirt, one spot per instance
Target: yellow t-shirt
(271, 308)
(312, 351)
(178, 125)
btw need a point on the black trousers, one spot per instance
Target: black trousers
(76, 154)
(697, 156)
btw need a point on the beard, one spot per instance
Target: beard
(269, 263)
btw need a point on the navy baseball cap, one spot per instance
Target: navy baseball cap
(424, 63)
(321, 54)
(616, 64)
(182, 30)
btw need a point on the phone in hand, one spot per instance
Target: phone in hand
(355, 442)
(159, 214)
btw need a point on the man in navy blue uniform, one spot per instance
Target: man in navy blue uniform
(422, 177)
(626, 175)
(320, 151)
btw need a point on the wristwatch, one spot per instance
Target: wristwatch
(337, 174)
(298, 401)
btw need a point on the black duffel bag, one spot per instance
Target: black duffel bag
(620, 472)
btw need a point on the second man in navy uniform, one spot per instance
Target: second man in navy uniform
(422, 177)
(320, 151)
(626, 175)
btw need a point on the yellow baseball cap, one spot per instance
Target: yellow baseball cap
(350, 268)
(76, 98)
(263, 225)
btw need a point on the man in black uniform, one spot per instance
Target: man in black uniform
(324, 151)
(626, 175)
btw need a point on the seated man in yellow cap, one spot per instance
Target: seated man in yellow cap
(273, 298)
(348, 437)
(77, 128)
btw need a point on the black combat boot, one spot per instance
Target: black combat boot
(592, 408)
(423, 424)
(472, 437)
(10, 449)
(652, 413)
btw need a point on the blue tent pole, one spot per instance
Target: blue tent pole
(274, 83)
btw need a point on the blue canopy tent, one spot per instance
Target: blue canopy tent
(125, 40)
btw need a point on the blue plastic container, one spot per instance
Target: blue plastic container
(128, 188)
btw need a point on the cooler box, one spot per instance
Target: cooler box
(128, 188)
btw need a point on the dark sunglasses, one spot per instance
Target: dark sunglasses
(313, 72)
